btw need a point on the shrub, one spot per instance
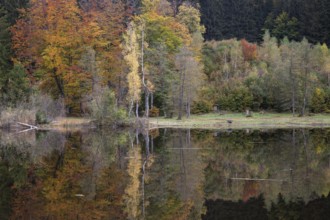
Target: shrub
(47, 108)
(39, 109)
(104, 110)
(41, 117)
(11, 116)
(318, 102)
(14, 87)
(237, 99)
(154, 112)
(201, 107)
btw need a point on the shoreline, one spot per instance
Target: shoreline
(208, 121)
(239, 121)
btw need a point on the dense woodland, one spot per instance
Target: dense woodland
(225, 19)
(112, 59)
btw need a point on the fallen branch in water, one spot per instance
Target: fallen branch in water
(27, 125)
(29, 129)
(254, 179)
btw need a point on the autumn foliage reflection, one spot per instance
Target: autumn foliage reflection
(64, 186)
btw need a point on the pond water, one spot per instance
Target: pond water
(166, 174)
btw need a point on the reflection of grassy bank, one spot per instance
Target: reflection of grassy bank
(78, 123)
(268, 120)
(65, 123)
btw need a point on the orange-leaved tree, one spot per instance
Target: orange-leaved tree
(249, 50)
(49, 40)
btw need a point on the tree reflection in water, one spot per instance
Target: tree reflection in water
(82, 180)
(166, 174)
(255, 209)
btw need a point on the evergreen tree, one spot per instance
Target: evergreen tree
(4, 42)
(283, 26)
(13, 83)
(225, 19)
(12, 7)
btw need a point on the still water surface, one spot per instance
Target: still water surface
(166, 174)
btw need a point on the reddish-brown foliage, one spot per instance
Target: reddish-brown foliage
(249, 50)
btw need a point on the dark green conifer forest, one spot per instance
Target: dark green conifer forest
(225, 19)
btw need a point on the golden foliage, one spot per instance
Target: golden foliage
(132, 192)
(131, 57)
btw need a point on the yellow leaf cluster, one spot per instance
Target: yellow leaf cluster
(131, 57)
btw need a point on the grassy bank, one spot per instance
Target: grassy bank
(207, 121)
(267, 120)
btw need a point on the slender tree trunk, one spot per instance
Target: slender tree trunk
(147, 144)
(137, 137)
(130, 108)
(146, 95)
(58, 83)
(293, 100)
(188, 138)
(188, 106)
(183, 173)
(303, 109)
(188, 109)
(151, 100)
(181, 93)
(119, 88)
(235, 61)
(146, 90)
(225, 61)
(293, 89)
(307, 183)
(188, 101)
(137, 110)
(303, 112)
(142, 58)
(293, 161)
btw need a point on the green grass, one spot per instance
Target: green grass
(267, 120)
(213, 121)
